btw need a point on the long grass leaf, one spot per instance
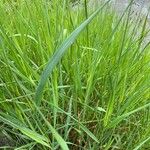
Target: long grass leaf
(59, 53)
(32, 134)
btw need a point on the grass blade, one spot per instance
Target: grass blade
(32, 134)
(59, 53)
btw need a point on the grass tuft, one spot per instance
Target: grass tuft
(91, 71)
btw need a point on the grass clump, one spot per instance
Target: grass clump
(94, 90)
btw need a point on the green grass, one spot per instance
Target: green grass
(73, 79)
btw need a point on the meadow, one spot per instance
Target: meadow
(73, 79)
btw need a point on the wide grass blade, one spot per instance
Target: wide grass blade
(59, 53)
(30, 133)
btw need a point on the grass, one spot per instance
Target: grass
(73, 79)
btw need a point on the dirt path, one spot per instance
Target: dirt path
(138, 6)
(120, 5)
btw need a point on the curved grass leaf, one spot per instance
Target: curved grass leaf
(30, 133)
(59, 53)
